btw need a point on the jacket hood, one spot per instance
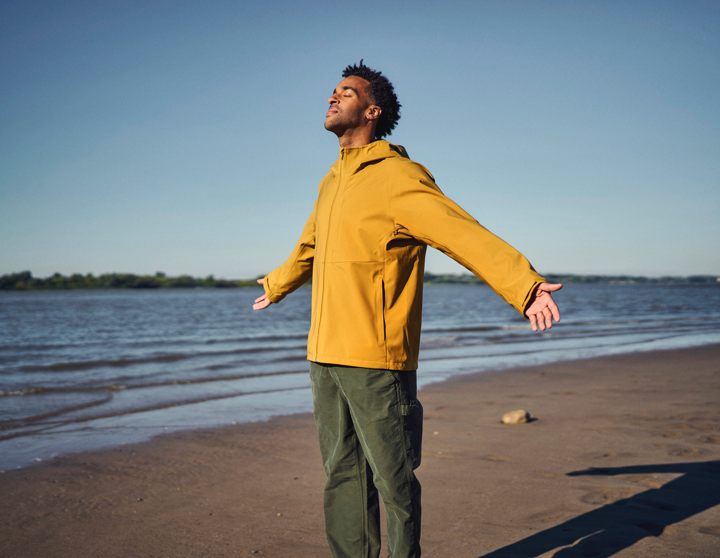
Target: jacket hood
(352, 159)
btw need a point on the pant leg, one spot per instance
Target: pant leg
(352, 508)
(387, 421)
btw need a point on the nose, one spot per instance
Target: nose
(333, 99)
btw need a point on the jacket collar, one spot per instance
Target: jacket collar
(352, 159)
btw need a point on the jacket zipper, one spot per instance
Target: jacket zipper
(327, 237)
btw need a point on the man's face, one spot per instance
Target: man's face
(349, 105)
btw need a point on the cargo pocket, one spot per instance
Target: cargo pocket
(413, 424)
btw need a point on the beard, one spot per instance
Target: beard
(341, 122)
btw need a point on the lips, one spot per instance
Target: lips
(331, 111)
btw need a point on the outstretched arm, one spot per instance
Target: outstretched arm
(541, 308)
(262, 302)
(296, 270)
(423, 212)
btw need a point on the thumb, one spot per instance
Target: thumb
(550, 287)
(261, 281)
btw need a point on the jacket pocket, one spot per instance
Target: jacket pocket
(380, 308)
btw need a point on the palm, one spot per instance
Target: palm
(542, 309)
(261, 302)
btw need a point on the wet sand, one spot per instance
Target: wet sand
(623, 460)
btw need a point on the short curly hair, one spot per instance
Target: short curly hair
(382, 93)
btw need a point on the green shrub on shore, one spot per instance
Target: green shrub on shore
(24, 281)
(567, 278)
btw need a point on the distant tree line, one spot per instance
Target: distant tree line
(24, 281)
(566, 278)
(624, 279)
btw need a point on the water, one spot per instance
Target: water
(89, 369)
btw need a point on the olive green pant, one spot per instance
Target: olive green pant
(369, 423)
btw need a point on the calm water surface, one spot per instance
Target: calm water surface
(89, 369)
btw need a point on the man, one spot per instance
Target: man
(364, 247)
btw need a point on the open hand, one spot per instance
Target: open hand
(542, 308)
(261, 302)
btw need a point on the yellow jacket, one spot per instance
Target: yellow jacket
(364, 246)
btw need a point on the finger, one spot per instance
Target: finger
(261, 281)
(260, 298)
(548, 317)
(550, 287)
(262, 305)
(533, 322)
(541, 320)
(555, 310)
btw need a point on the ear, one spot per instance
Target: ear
(373, 112)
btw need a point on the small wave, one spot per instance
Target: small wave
(257, 339)
(431, 340)
(21, 347)
(641, 320)
(260, 350)
(76, 345)
(6, 425)
(461, 329)
(85, 364)
(219, 341)
(551, 348)
(565, 335)
(26, 391)
(120, 387)
(291, 358)
(125, 362)
(126, 412)
(221, 366)
(117, 387)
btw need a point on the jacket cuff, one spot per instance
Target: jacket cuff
(524, 288)
(274, 297)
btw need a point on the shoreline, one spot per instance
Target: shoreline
(125, 429)
(96, 390)
(624, 454)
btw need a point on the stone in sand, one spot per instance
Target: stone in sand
(516, 417)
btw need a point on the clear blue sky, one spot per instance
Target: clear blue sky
(188, 137)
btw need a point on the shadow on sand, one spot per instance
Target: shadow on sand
(613, 527)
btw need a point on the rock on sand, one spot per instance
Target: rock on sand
(516, 417)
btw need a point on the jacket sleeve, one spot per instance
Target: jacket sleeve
(297, 269)
(422, 211)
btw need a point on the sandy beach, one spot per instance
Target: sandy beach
(623, 460)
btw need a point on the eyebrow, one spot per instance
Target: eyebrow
(345, 88)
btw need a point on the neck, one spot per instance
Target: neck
(357, 137)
